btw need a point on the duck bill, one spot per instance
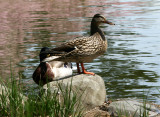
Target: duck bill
(108, 22)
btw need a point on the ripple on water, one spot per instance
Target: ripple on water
(130, 67)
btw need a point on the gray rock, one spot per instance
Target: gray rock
(90, 89)
(133, 108)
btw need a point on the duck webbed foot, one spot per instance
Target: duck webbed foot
(83, 70)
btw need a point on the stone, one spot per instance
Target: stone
(90, 89)
(132, 108)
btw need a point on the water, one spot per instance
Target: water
(131, 65)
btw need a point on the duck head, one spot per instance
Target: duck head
(43, 53)
(98, 19)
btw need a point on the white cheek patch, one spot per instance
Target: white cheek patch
(50, 58)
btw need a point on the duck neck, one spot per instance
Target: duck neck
(95, 29)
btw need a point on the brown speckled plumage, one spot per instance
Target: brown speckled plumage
(84, 49)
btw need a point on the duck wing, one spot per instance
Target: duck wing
(70, 45)
(67, 49)
(63, 48)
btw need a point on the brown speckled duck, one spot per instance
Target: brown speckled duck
(83, 49)
(49, 71)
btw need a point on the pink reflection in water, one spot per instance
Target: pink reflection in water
(22, 22)
(31, 23)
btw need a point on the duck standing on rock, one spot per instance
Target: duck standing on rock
(49, 71)
(82, 49)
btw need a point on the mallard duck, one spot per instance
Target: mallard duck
(83, 49)
(49, 71)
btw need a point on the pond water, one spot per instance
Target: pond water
(131, 65)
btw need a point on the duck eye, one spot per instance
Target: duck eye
(48, 55)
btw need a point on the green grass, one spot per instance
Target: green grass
(51, 104)
(14, 104)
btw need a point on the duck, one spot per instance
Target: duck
(83, 49)
(49, 71)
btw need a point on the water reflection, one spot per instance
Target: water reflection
(130, 67)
